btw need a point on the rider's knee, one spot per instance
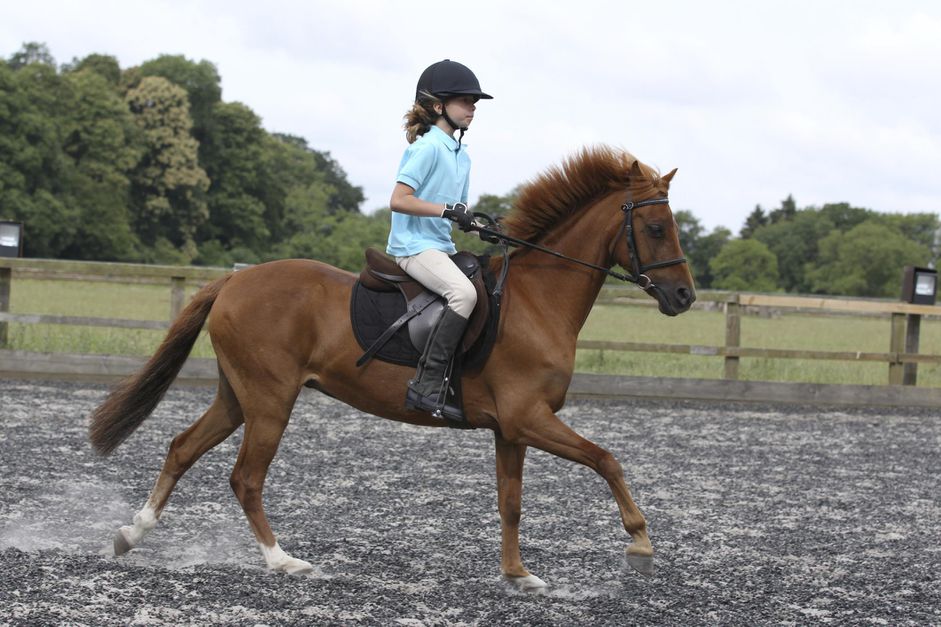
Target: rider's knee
(463, 299)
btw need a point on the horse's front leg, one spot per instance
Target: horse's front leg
(544, 430)
(509, 496)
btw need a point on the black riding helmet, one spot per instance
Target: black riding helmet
(449, 78)
(446, 79)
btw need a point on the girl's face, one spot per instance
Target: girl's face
(461, 110)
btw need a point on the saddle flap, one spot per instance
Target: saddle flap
(478, 319)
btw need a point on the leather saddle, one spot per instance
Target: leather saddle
(382, 277)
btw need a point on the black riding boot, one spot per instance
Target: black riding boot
(428, 390)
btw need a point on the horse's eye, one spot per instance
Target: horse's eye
(655, 230)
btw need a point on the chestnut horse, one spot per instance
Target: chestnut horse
(282, 325)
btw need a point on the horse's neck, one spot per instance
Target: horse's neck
(565, 290)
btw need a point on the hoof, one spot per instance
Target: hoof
(530, 584)
(279, 561)
(121, 542)
(294, 566)
(643, 564)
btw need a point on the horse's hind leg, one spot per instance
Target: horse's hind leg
(509, 496)
(267, 411)
(218, 423)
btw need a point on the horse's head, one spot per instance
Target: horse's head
(642, 237)
(648, 243)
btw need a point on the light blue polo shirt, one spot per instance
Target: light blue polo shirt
(439, 172)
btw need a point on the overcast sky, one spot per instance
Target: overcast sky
(827, 100)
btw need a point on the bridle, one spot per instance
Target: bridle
(638, 270)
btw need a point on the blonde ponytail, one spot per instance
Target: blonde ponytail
(421, 117)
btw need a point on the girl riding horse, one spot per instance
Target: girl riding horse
(280, 326)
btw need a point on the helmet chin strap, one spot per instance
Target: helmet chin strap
(447, 118)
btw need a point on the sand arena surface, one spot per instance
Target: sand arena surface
(759, 514)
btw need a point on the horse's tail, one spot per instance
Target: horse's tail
(133, 400)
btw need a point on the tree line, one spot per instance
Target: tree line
(833, 249)
(149, 164)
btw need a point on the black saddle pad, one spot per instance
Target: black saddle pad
(374, 312)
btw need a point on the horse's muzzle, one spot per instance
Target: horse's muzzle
(674, 300)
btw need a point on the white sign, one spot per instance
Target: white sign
(925, 284)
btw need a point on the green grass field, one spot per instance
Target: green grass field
(607, 322)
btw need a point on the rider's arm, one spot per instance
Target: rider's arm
(404, 201)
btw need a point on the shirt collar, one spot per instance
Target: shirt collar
(444, 138)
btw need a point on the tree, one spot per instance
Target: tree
(867, 260)
(346, 197)
(689, 230)
(301, 189)
(755, 220)
(794, 244)
(305, 161)
(745, 265)
(103, 65)
(702, 251)
(338, 239)
(291, 166)
(200, 80)
(169, 187)
(496, 206)
(32, 53)
(102, 142)
(352, 234)
(235, 155)
(918, 227)
(785, 212)
(843, 216)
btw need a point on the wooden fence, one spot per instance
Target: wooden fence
(175, 277)
(902, 357)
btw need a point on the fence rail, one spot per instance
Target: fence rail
(902, 357)
(767, 353)
(120, 323)
(177, 278)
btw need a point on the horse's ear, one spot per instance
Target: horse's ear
(666, 178)
(635, 169)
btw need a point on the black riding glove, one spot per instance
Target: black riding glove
(458, 212)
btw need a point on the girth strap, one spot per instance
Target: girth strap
(415, 307)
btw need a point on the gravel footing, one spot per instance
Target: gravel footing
(759, 515)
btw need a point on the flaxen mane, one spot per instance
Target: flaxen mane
(559, 191)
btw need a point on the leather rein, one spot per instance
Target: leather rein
(638, 270)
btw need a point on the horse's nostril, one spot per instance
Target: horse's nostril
(684, 296)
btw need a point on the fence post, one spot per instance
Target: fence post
(6, 280)
(733, 335)
(896, 346)
(912, 332)
(177, 296)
